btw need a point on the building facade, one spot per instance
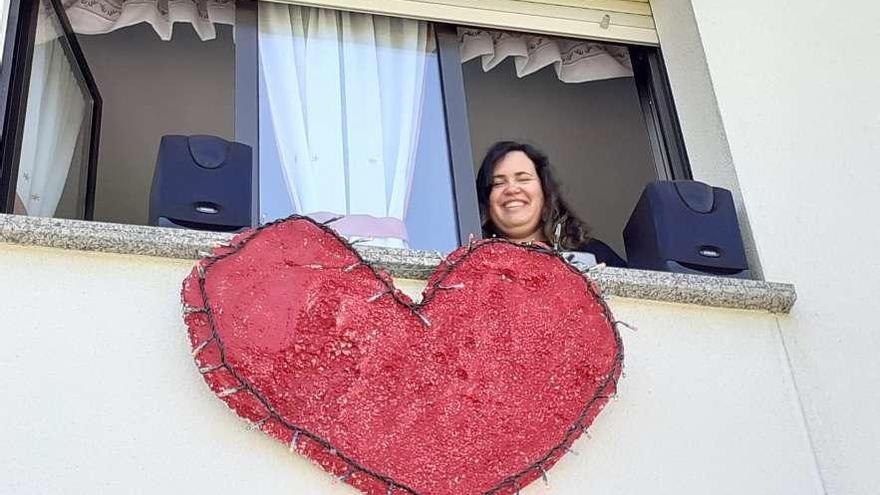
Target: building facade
(729, 386)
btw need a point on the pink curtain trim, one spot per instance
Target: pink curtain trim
(364, 225)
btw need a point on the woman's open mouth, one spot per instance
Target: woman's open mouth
(514, 204)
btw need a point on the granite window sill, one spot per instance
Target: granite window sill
(402, 263)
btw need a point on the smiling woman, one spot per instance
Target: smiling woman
(516, 199)
(520, 200)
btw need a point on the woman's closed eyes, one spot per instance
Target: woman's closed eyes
(522, 178)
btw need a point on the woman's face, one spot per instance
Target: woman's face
(517, 199)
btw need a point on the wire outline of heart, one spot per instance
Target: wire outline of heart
(256, 408)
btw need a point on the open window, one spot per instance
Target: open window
(154, 87)
(590, 106)
(378, 120)
(51, 117)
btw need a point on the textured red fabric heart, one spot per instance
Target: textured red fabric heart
(479, 388)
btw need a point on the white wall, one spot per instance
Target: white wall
(795, 83)
(151, 88)
(101, 395)
(593, 133)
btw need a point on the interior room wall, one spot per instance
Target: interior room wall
(593, 133)
(151, 88)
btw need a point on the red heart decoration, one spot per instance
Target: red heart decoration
(480, 388)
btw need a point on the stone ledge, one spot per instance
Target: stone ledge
(701, 290)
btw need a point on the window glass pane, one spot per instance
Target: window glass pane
(352, 125)
(54, 150)
(4, 15)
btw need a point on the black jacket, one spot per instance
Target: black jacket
(603, 253)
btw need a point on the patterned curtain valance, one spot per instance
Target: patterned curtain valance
(575, 61)
(104, 16)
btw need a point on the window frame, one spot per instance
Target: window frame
(661, 118)
(247, 92)
(15, 72)
(649, 72)
(247, 113)
(608, 21)
(458, 135)
(15, 77)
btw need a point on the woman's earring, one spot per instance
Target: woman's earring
(556, 235)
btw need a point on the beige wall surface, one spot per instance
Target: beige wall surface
(101, 396)
(615, 20)
(151, 88)
(795, 84)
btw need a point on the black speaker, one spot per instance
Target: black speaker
(687, 227)
(202, 182)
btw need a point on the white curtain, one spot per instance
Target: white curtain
(345, 96)
(55, 116)
(575, 61)
(4, 15)
(104, 16)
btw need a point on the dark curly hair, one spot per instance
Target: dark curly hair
(573, 232)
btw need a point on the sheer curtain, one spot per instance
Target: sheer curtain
(56, 110)
(345, 97)
(4, 15)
